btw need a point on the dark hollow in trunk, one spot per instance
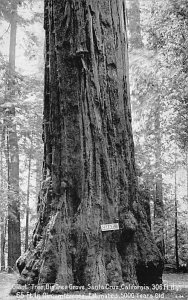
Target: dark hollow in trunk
(89, 169)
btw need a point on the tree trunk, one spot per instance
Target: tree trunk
(158, 204)
(135, 43)
(2, 214)
(187, 188)
(28, 195)
(38, 176)
(2, 243)
(135, 38)
(176, 217)
(89, 170)
(14, 240)
(187, 172)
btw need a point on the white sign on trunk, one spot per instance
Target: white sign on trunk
(108, 227)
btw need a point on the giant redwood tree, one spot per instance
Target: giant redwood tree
(89, 169)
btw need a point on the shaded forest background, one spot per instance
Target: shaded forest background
(159, 97)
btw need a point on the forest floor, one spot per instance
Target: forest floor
(175, 286)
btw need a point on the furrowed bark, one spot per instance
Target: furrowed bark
(89, 170)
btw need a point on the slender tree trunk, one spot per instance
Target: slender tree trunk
(2, 218)
(158, 204)
(176, 216)
(28, 195)
(38, 176)
(187, 191)
(135, 38)
(89, 170)
(14, 240)
(2, 243)
(166, 241)
(187, 172)
(135, 43)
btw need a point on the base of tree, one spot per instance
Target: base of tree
(81, 254)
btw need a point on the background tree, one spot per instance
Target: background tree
(16, 111)
(158, 91)
(12, 153)
(134, 25)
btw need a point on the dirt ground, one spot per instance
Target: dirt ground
(175, 286)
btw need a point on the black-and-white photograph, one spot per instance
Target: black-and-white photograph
(93, 149)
